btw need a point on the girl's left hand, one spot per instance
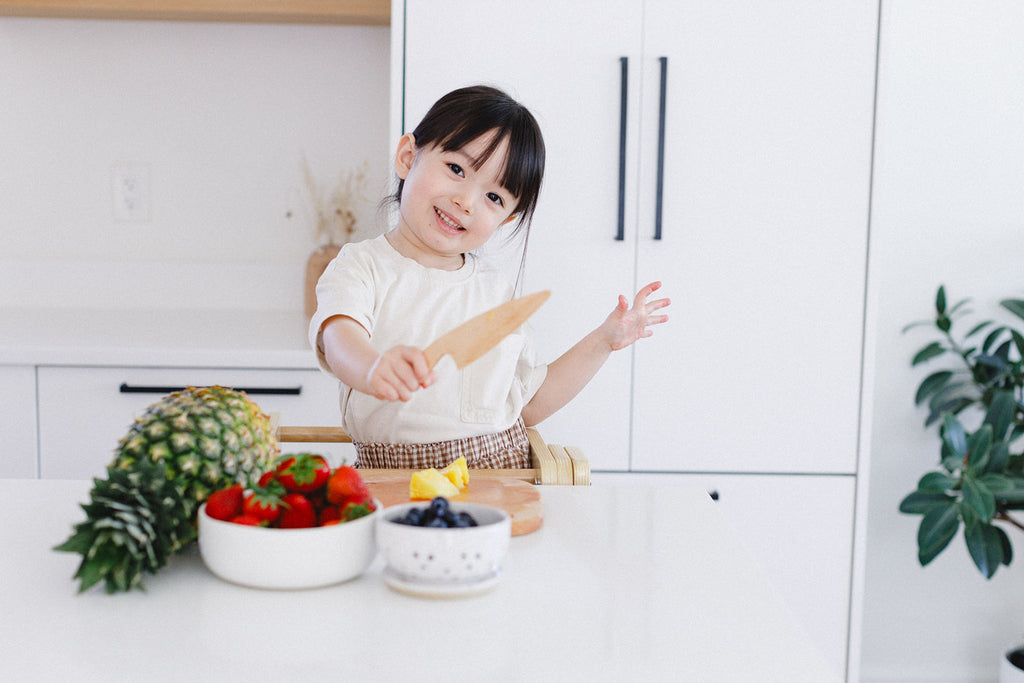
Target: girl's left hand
(625, 324)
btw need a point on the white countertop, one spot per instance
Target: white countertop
(154, 338)
(620, 583)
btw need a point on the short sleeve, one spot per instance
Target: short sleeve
(345, 288)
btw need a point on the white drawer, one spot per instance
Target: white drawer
(18, 456)
(800, 528)
(84, 411)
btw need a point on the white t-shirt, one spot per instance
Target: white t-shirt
(399, 301)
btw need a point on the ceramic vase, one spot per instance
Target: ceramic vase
(315, 266)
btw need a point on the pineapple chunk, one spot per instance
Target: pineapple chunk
(429, 483)
(457, 473)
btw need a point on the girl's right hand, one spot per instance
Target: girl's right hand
(398, 373)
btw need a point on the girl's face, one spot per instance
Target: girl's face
(447, 206)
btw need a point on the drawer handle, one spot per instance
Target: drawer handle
(126, 388)
(660, 184)
(713, 494)
(620, 233)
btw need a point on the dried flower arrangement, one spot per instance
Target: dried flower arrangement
(334, 221)
(334, 216)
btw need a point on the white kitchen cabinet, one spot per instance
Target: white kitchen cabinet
(562, 60)
(799, 528)
(18, 421)
(763, 244)
(84, 411)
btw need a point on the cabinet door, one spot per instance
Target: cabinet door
(764, 241)
(562, 60)
(800, 529)
(18, 421)
(83, 413)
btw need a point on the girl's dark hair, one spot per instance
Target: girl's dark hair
(465, 114)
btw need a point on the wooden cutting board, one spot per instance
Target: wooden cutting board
(518, 498)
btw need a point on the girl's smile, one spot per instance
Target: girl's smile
(451, 203)
(447, 221)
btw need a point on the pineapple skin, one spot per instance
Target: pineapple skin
(179, 451)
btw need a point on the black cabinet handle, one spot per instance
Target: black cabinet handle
(714, 494)
(623, 105)
(126, 388)
(661, 148)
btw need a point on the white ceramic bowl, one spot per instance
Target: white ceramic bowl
(440, 558)
(260, 557)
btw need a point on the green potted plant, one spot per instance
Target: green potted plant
(979, 484)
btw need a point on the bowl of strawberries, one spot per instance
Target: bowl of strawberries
(302, 525)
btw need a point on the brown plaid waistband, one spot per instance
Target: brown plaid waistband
(509, 449)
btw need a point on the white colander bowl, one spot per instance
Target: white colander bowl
(437, 560)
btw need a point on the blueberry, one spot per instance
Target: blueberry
(414, 516)
(439, 506)
(436, 522)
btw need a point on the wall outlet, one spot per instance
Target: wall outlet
(130, 192)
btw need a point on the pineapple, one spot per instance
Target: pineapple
(457, 473)
(429, 483)
(183, 448)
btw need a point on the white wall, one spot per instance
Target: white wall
(220, 114)
(948, 207)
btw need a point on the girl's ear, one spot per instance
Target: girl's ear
(404, 155)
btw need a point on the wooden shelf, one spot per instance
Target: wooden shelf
(362, 12)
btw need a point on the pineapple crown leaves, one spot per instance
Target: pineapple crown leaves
(145, 510)
(135, 520)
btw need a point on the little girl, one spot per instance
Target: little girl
(473, 165)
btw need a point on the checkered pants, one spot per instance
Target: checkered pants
(509, 449)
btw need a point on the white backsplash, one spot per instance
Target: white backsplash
(219, 115)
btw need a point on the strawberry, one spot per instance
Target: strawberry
(264, 504)
(297, 512)
(330, 515)
(345, 483)
(226, 503)
(247, 520)
(353, 510)
(303, 472)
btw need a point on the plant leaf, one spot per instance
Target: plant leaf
(1016, 495)
(953, 436)
(1015, 306)
(1007, 546)
(991, 339)
(1018, 339)
(936, 482)
(938, 527)
(918, 502)
(978, 445)
(917, 323)
(940, 300)
(998, 484)
(951, 407)
(979, 499)
(958, 305)
(927, 353)
(986, 548)
(978, 328)
(998, 457)
(932, 384)
(1000, 413)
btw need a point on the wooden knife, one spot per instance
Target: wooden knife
(478, 335)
